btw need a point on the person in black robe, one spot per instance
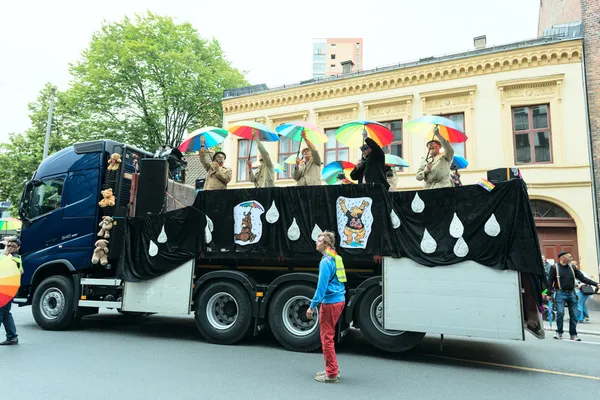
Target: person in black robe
(371, 167)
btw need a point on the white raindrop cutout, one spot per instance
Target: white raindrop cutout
(209, 224)
(153, 250)
(428, 244)
(294, 231)
(207, 234)
(316, 232)
(456, 227)
(417, 204)
(461, 248)
(272, 214)
(395, 219)
(492, 227)
(162, 238)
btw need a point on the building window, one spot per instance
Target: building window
(333, 151)
(357, 46)
(286, 149)
(333, 56)
(243, 147)
(395, 147)
(532, 133)
(458, 119)
(332, 66)
(332, 44)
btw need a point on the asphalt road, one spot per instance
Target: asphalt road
(111, 356)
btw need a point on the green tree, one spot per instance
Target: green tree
(147, 81)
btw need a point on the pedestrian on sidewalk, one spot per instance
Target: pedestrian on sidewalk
(331, 296)
(562, 281)
(12, 251)
(584, 292)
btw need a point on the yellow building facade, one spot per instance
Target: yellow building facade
(520, 105)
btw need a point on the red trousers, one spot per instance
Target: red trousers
(328, 318)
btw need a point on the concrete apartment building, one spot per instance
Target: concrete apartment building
(328, 55)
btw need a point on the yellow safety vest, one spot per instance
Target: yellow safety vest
(340, 272)
(16, 259)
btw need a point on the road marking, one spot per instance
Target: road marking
(543, 371)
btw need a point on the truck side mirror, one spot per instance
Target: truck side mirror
(26, 199)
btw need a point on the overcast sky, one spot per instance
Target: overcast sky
(38, 39)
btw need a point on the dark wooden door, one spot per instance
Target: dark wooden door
(554, 240)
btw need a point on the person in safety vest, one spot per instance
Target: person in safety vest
(331, 296)
(6, 318)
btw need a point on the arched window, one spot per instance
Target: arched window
(549, 214)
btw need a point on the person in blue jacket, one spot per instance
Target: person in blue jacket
(331, 296)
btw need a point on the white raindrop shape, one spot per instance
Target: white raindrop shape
(461, 249)
(316, 232)
(395, 219)
(417, 204)
(162, 238)
(294, 231)
(456, 227)
(207, 234)
(272, 214)
(492, 227)
(428, 244)
(209, 224)
(153, 250)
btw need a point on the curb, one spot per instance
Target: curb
(579, 331)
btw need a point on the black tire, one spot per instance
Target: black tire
(392, 341)
(53, 301)
(296, 332)
(231, 317)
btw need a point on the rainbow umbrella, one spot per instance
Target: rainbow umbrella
(276, 166)
(10, 224)
(294, 130)
(212, 137)
(246, 129)
(460, 162)
(351, 134)
(10, 280)
(291, 159)
(333, 169)
(426, 125)
(392, 160)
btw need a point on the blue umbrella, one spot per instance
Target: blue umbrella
(460, 162)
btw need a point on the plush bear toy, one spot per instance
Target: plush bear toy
(105, 226)
(108, 198)
(113, 163)
(100, 252)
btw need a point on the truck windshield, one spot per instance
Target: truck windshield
(44, 197)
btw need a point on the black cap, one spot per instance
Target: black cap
(217, 153)
(562, 253)
(364, 147)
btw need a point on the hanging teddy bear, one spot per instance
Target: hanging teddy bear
(100, 252)
(105, 226)
(108, 198)
(113, 163)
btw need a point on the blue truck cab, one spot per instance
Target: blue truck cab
(60, 214)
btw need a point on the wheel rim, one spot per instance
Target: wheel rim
(52, 303)
(376, 314)
(222, 311)
(294, 316)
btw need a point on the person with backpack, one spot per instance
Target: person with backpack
(331, 296)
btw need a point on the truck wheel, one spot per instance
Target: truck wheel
(370, 321)
(223, 313)
(287, 318)
(52, 304)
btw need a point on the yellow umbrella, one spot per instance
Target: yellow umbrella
(10, 280)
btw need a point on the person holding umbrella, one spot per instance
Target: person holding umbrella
(217, 175)
(265, 176)
(12, 251)
(307, 171)
(371, 167)
(435, 168)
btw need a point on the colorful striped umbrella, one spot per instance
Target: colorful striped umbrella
(291, 159)
(460, 162)
(276, 166)
(212, 137)
(10, 280)
(333, 169)
(245, 130)
(426, 125)
(293, 131)
(10, 224)
(392, 160)
(351, 134)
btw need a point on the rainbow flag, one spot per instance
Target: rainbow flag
(487, 185)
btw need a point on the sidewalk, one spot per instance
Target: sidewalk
(584, 328)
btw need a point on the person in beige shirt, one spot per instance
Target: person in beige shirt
(308, 168)
(435, 169)
(217, 175)
(265, 176)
